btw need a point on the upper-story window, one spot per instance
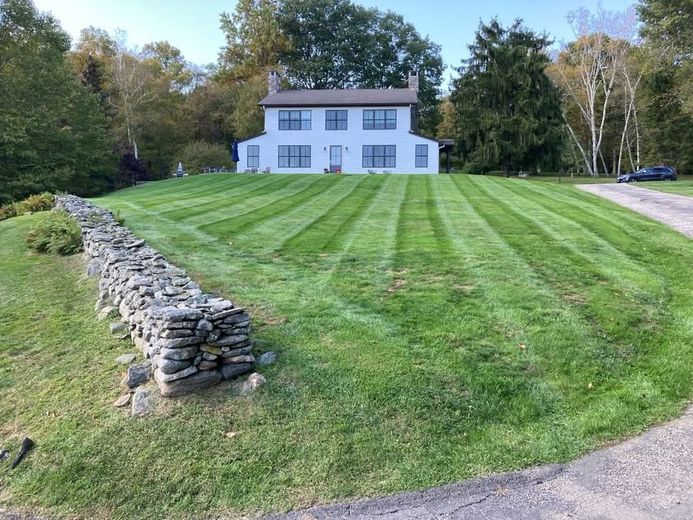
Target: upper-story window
(336, 120)
(294, 119)
(380, 119)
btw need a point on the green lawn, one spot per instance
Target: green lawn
(683, 186)
(429, 329)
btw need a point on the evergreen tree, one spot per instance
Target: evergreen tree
(508, 109)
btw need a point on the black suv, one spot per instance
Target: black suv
(651, 173)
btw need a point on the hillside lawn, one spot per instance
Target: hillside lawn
(429, 329)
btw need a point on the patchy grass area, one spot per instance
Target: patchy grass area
(429, 329)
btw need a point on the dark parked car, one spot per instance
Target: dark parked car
(651, 173)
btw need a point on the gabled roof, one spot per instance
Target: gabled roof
(341, 97)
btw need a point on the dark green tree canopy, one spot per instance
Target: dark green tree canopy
(508, 110)
(53, 134)
(338, 44)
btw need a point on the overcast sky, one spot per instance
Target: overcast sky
(193, 26)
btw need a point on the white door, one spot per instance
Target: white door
(335, 158)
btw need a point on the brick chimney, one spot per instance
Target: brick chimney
(273, 82)
(414, 80)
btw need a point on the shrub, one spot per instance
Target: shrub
(197, 154)
(32, 204)
(57, 232)
(118, 217)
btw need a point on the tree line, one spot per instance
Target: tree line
(98, 114)
(615, 98)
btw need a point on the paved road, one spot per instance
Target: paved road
(648, 477)
(673, 210)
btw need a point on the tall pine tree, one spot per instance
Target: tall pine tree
(508, 110)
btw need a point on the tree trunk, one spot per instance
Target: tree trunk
(588, 169)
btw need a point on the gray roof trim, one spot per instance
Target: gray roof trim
(341, 97)
(424, 136)
(251, 137)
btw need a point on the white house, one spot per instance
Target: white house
(350, 131)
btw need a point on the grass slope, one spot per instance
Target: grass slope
(428, 328)
(683, 186)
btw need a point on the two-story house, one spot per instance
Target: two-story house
(350, 131)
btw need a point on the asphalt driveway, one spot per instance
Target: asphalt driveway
(648, 477)
(673, 210)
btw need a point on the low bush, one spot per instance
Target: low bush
(57, 232)
(119, 218)
(32, 204)
(199, 154)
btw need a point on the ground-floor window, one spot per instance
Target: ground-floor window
(294, 156)
(379, 156)
(253, 156)
(421, 156)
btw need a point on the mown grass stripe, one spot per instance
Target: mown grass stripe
(192, 188)
(585, 242)
(576, 335)
(291, 242)
(217, 203)
(267, 210)
(329, 228)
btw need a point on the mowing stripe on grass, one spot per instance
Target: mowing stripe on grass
(260, 207)
(187, 189)
(579, 329)
(369, 248)
(217, 204)
(584, 242)
(604, 323)
(329, 227)
(315, 214)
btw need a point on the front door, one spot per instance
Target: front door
(335, 158)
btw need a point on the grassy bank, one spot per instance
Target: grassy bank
(429, 329)
(683, 186)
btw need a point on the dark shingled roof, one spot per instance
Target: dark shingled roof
(343, 97)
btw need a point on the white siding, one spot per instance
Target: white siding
(351, 140)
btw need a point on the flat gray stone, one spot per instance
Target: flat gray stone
(161, 377)
(197, 381)
(138, 374)
(179, 342)
(94, 267)
(143, 402)
(126, 359)
(266, 359)
(234, 369)
(248, 358)
(119, 329)
(179, 353)
(253, 382)
(175, 314)
(107, 312)
(229, 341)
(123, 400)
(169, 366)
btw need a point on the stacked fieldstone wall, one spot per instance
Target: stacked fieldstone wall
(192, 339)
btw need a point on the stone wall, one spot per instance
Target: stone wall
(192, 339)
